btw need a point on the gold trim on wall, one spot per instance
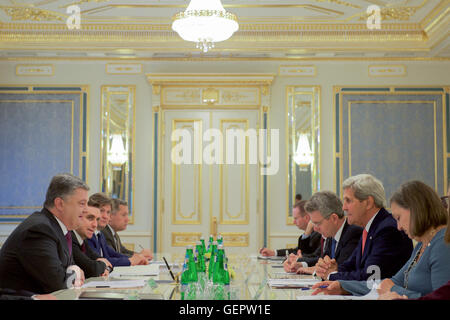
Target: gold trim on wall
(235, 239)
(182, 239)
(338, 90)
(422, 102)
(315, 112)
(83, 89)
(388, 70)
(223, 182)
(197, 183)
(35, 70)
(130, 92)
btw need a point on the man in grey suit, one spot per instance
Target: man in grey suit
(118, 222)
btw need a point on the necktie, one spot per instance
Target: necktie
(99, 245)
(83, 247)
(333, 248)
(364, 238)
(116, 237)
(321, 246)
(69, 242)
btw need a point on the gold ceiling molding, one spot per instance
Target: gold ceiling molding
(344, 3)
(81, 2)
(32, 14)
(220, 58)
(102, 35)
(389, 14)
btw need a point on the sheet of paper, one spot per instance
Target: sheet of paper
(147, 270)
(115, 284)
(292, 283)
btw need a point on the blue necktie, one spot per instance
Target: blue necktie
(333, 248)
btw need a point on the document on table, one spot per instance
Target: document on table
(115, 284)
(292, 283)
(147, 270)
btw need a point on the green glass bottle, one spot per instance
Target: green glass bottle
(211, 240)
(219, 239)
(221, 277)
(189, 273)
(212, 259)
(201, 267)
(202, 240)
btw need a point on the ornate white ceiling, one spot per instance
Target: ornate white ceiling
(268, 29)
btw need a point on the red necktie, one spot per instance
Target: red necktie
(83, 247)
(364, 240)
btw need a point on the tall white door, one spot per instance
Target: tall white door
(204, 192)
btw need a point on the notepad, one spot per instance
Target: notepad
(147, 270)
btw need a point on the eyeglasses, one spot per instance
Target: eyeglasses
(444, 201)
(317, 224)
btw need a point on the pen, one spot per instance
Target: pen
(168, 267)
(102, 286)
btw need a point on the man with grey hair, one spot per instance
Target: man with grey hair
(382, 249)
(327, 216)
(118, 222)
(37, 256)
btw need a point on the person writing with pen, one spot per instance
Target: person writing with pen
(327, 216)
(381, 244)
(308, 242)
(418, 211)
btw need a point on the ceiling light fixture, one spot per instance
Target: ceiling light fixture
(205, 22)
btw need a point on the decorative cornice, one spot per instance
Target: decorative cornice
(278, 33)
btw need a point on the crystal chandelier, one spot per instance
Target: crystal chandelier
(303, 156)
(205, 22)
(117, 155)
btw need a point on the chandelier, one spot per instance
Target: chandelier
(117, 155)
(303, 156)
(205, 22)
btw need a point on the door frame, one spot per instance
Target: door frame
(204, 92)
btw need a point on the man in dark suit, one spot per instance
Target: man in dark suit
(118, 222)
(327, 216)
(382, 247)
(37, 256)
(98, 242)
(86, 258)
(308, 242)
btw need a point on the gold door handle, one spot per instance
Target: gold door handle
(214, 227)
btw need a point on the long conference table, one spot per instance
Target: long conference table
(250, 281)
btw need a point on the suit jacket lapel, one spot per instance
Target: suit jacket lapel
(66, 260)
(341, 242)
(373, 228)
